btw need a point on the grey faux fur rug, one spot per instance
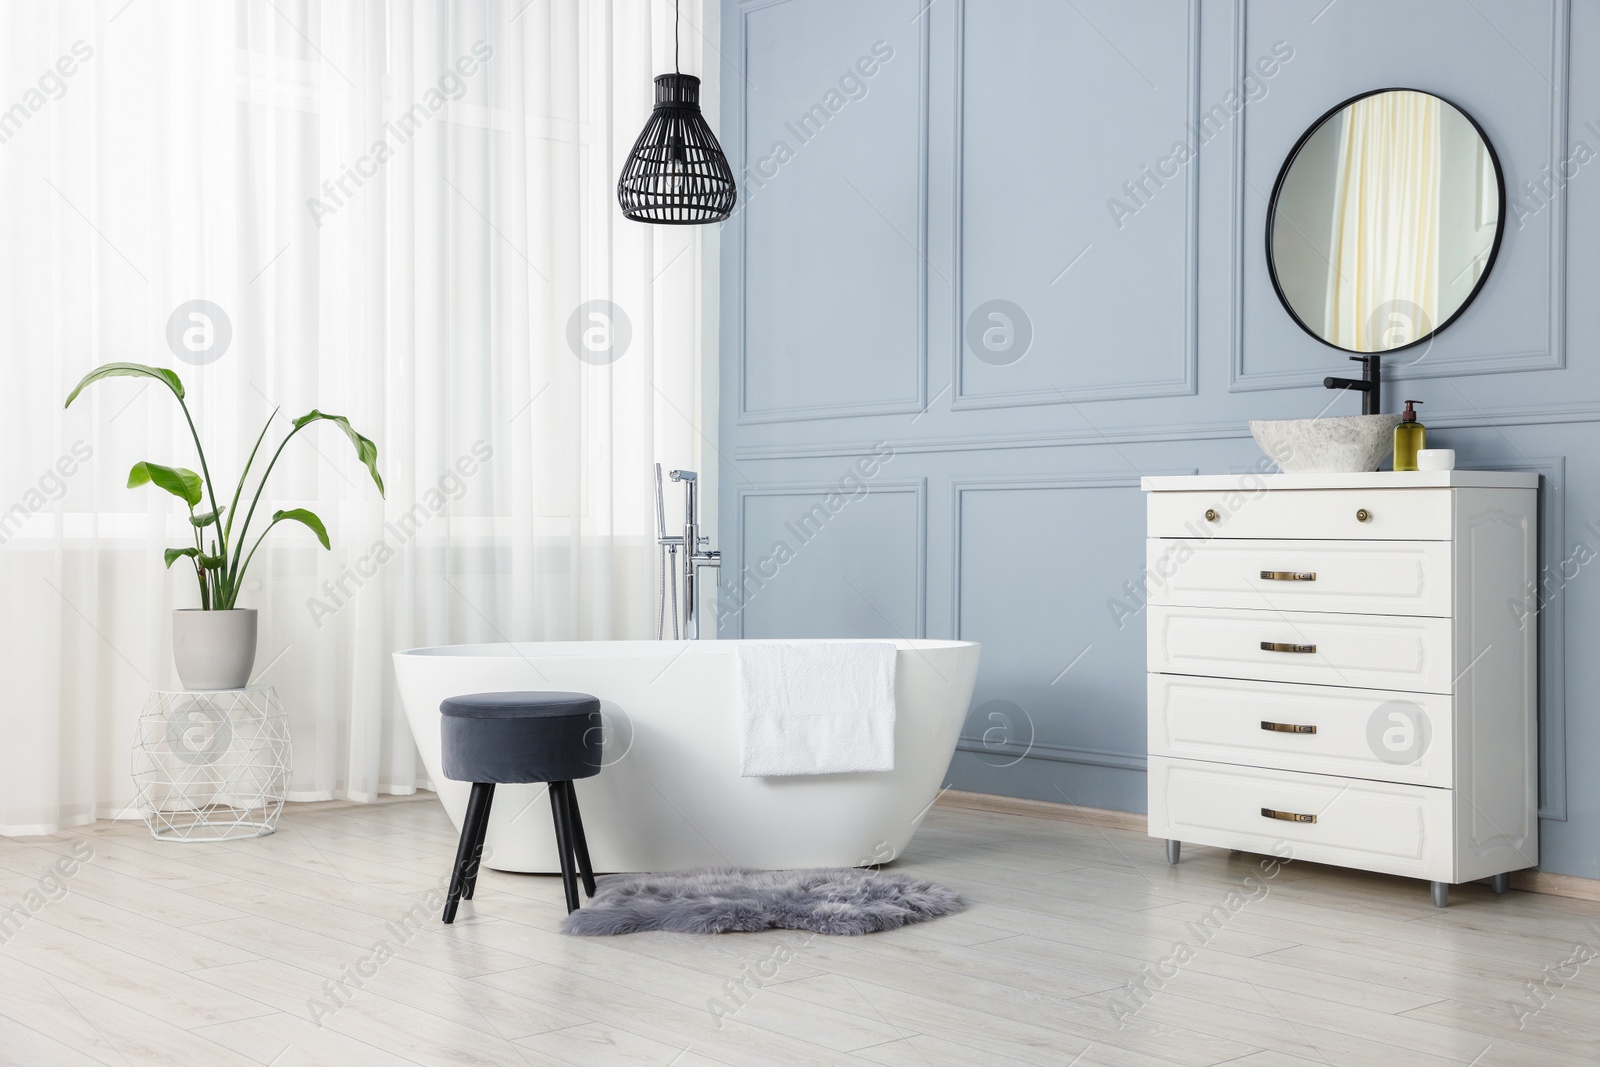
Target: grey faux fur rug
(720, 900)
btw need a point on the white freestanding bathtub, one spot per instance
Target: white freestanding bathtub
(669, 795)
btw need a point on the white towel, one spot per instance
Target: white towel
(815, 707)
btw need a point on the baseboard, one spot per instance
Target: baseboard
(1122, 820)
(332, 803)
(1531, 881)
(1557, 885)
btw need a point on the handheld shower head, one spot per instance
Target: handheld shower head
(661, 508)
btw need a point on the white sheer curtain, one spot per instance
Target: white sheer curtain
(402, 211)
(1385, 222)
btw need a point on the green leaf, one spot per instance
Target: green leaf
(306, 519)
(172, 555)
(129, 370)
(205, 519)
(180, 482)
(365, 449)
(213, 563)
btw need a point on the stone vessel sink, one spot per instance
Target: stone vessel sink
(1327, 445)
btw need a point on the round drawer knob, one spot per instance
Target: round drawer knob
(1363, 515)
(1211, 515)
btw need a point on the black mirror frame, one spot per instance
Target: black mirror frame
(1283, 173)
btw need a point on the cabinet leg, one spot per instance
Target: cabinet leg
(1441, 894)
(1501, 883)
(1173, 848)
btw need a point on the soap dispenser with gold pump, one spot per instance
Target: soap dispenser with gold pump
(1409, 437)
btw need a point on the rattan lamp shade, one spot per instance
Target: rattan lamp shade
(676, 173)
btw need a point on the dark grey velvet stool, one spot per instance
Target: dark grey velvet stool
(520, 738)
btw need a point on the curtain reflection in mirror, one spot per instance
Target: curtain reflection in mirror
(1386, 223)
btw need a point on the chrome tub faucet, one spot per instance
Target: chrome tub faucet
(682, 558)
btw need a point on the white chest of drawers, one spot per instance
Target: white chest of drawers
(1343, 668)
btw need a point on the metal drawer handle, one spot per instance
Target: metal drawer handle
(1287, 727)
(1286, 646)
(1211, 515)
(1363, 515)
(1287, 816)
(1289, 576)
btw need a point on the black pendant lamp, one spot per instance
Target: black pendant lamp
(676, 174)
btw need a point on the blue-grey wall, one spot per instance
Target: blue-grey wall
(906, 164)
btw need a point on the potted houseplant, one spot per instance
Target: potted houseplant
(214, 646)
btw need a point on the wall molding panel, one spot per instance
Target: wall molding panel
(1032, 749)
(741, 159)
(1185, 382)
(1550, 355)
(961, 486)
(916, 488)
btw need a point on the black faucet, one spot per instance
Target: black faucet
(1369, 384)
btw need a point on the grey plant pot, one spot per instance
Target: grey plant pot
(214, 649)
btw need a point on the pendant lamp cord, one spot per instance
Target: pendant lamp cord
(675, 17)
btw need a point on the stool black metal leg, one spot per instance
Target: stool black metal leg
(476, 817)
(580, 844)
(558, 808)
(476, 863)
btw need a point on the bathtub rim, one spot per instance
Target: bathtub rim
(636, 646)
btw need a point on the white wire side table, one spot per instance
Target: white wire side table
(211, 765)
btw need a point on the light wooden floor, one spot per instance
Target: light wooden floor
(224, 954)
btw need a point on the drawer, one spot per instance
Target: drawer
(1327, 514)
(1358, 733)
(1361, 577)
(1377, 826)
(1358, 651)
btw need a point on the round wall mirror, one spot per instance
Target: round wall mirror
(1385, 220)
